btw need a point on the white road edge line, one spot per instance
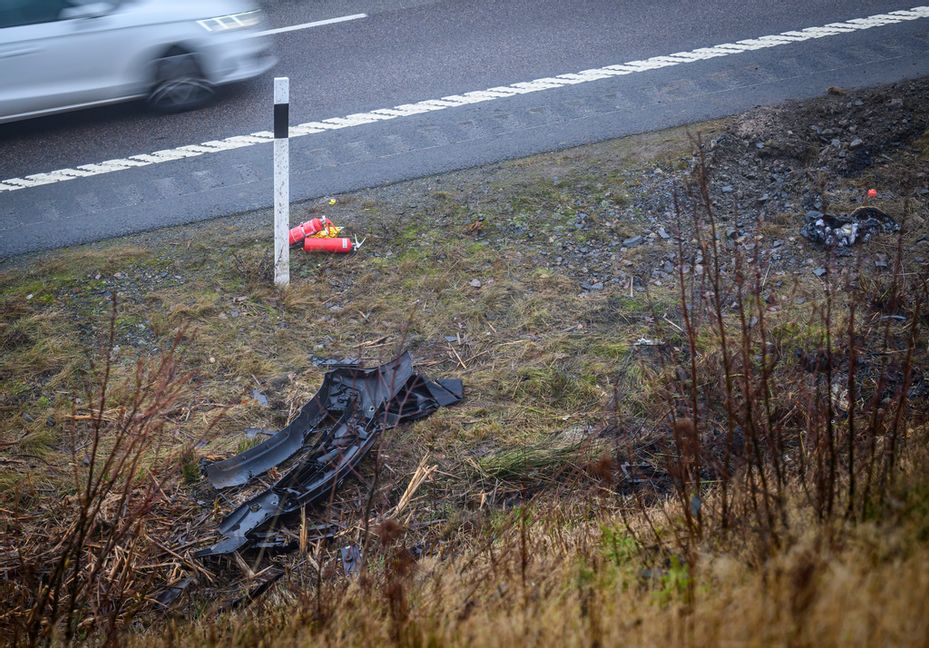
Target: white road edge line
(475, 96)
(318, 23)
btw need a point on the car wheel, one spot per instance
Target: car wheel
(179, 83)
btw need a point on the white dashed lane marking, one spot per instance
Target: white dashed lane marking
(318, 23)
(476, 96)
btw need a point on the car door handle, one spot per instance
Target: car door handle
(23, 51)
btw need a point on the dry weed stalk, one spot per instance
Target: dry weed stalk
(787, 425)
(83, 578)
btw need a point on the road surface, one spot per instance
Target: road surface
(398, 89)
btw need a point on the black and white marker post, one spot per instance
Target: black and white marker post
(281, 180)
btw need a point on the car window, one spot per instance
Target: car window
(14, 13)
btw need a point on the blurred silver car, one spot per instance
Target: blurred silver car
(59, 55)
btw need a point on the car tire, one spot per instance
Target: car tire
(179, 83)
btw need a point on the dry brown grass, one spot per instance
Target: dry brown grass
(529, 531)
(586, 583)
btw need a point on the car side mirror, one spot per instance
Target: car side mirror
(89, 10)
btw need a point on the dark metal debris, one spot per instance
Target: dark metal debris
(335, 430)
(843, 231)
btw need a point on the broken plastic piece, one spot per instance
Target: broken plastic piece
(336, 429)
(335, 362)
(260, 398)
(375, 387)
(287, 541)
(843, 231)
(254, 433)
(171, 593)
(351, 559)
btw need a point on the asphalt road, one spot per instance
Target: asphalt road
(408, 51)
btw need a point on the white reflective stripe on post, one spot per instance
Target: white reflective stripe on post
(281, 181)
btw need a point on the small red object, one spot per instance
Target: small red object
(339, 245)
(872, 193)
(309, 228)
(297, 234)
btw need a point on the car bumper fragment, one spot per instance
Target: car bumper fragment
(335, 430)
